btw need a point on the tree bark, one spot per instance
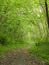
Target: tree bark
(47, 15)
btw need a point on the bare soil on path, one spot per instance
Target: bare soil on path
(20, 57)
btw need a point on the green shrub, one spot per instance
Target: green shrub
(3, 40)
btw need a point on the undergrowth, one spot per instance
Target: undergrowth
(41, 51)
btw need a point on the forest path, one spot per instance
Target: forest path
(20, 57)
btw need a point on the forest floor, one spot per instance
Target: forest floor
(20, 57)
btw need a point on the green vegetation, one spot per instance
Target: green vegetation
(41, 51)
(23, 22)
(5, 48)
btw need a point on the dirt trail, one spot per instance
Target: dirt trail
(20, 57)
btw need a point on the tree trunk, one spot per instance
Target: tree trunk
(47, 16)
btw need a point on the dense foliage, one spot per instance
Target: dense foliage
(22, 21)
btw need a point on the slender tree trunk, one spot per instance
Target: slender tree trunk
(47, 16)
